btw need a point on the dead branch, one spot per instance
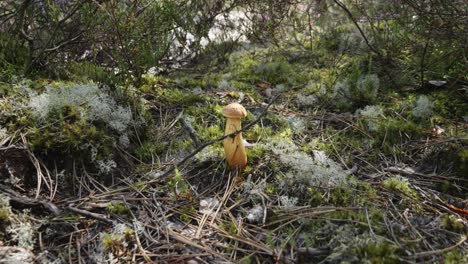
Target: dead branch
(28, 202)
(85, 213)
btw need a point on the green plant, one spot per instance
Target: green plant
(392, 131)
(5, 209)
(119, 208)
(399, 184)
(381, 252)
(179, 185)
(148, 150)
(451, 222)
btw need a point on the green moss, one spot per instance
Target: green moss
(449, 104)
(382, 252)
(111, 242)
(271, 189)
(5, 210)
(316, 197)
(462, 163)
(208, 114)
(279, 126)
(393, 131)
(67, 133)
(177, 97)
(275, 72)
(187, 214)
(116, 242)
(119, 208)
(243, 86)
(210, 132)
(455, 257)
(453, 223)
(4, 215)
(140, 185)
(341, 196)
(246, 260)
(351, 193)
(149, 149)
(399, 185)
(257, 132)
(242, 66)
(182, 145)
(256, 153)
(229, 227)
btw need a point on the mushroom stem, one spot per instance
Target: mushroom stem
(234, 146)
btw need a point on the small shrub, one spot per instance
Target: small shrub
(275, 72)
(356, 91)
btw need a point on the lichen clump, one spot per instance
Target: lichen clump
(303, 168)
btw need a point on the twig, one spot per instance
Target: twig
(440, 251)
(99, 217)
(350, 15)
(26, 201)
(40, 175)
(193, 134)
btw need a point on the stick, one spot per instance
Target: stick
(99, 217)
(191, 131)
(26, 201)
(440, 251)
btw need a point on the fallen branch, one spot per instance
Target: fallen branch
(191, 131)
(99, 217)
(29, 202)
(440, 251)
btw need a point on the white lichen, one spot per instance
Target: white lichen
(3, 134)
(255, 214)
(423, 108)
(287, 202)
(341, 90)
(371, 113)
(306, 100)
(297, 123)
(93, 103)
(225, 85)
(304, 168)
(106, 166)
(208, 154)
(23, 232)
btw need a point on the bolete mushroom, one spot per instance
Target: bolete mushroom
(233, 145)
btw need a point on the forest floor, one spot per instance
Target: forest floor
(379, 181)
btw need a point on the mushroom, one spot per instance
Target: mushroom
(233, 145)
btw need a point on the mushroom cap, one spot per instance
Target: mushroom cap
(234, 110)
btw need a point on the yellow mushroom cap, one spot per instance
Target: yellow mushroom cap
(234, 110)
